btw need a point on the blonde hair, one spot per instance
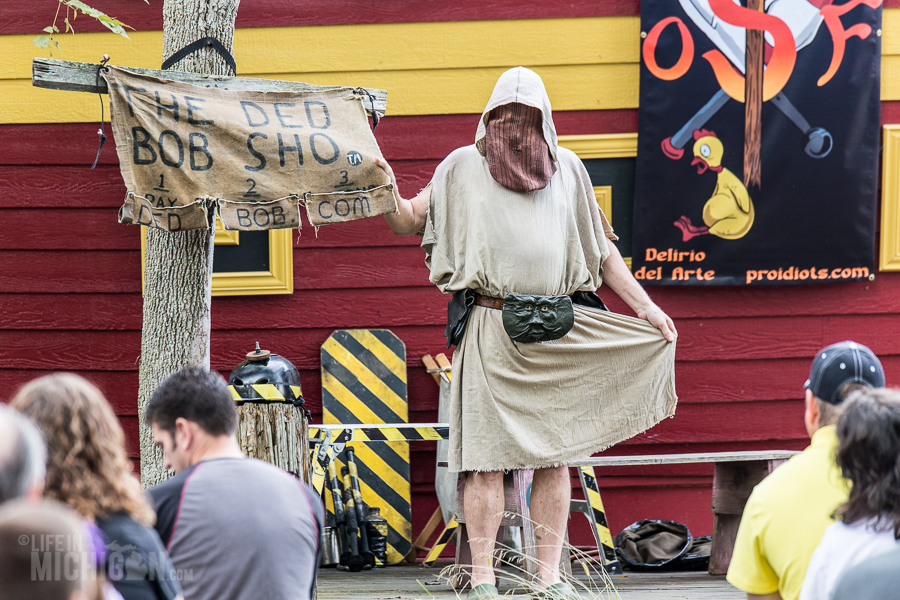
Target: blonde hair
(86, 463)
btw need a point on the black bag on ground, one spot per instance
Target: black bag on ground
(697, 556)
(653, 544)
(458, 310)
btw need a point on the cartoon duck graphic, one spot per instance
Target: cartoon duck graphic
(729, 212)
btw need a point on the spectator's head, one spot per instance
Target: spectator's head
(191, 410)
(869, 456)
(87, 467)
(55, 560)
(837, 371)
(22, 457)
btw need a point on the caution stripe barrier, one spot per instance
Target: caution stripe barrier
(364, 381)
(265, 392)
(601, 527)
(444, 539)
(389, 432)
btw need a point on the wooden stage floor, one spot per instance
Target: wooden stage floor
(414, 582)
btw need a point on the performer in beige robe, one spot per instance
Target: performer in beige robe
(515, 212)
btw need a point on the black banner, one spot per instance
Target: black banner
(806, 212)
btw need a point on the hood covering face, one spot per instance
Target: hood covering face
(518, 142)
(517, 155)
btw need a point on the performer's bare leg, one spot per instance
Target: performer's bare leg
(484, 511)
(550, 494)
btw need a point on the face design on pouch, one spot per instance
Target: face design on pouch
(535, 315)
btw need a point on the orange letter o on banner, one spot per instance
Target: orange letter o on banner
(687, 50)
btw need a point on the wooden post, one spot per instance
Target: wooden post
(732, 484)
(753, 101)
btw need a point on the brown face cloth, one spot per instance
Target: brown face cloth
(517, 154)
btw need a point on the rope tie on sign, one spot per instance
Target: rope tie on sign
(364, 92)
(202, 43)
(100, 67)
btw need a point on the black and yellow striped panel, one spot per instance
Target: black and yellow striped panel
(364, 381)
(388, 433)
(398, 434)
(260, 392)
(601, 527)
(442, 541)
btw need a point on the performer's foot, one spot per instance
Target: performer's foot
(484, 591)
(688, 230)
(557, 591)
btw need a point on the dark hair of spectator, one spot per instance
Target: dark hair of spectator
(87, 466)
(195, 394)
(869, 456)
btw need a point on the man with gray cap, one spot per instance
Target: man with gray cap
(22, 457)
(788, 511)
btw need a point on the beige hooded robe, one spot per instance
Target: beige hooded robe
(523, 406)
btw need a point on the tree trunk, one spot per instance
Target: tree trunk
(178, 268)
(276, 433)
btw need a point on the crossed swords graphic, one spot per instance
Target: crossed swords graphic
(818, 140)
(804, 21)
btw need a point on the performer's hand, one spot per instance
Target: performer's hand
(386, 167)
(660, 320)
(410, 216)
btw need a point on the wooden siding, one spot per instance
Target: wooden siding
(70, 275)
(70, 297)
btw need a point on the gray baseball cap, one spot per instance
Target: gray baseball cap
(839, 364)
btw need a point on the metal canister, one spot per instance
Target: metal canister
(330, 550)
(377, 529)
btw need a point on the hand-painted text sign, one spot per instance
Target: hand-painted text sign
(254, 155)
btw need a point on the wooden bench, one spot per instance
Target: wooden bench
(734, 476)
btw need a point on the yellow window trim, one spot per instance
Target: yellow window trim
(279, 279)
(603, 193)
(224, 237)
(889, 259)
(606, 145)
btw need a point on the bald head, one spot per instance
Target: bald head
(22, 456)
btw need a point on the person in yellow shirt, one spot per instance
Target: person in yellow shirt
(788, 511)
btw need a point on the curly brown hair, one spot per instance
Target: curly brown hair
(86, 463)
(869, 456)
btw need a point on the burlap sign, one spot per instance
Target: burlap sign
(184, 148)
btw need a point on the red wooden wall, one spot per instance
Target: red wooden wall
(70, 298)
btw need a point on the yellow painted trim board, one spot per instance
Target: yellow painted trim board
(413, 46)
(427, 68)
(446, 91)
(889, 259)
(405, 46)
(279, 279)
(609, 145)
